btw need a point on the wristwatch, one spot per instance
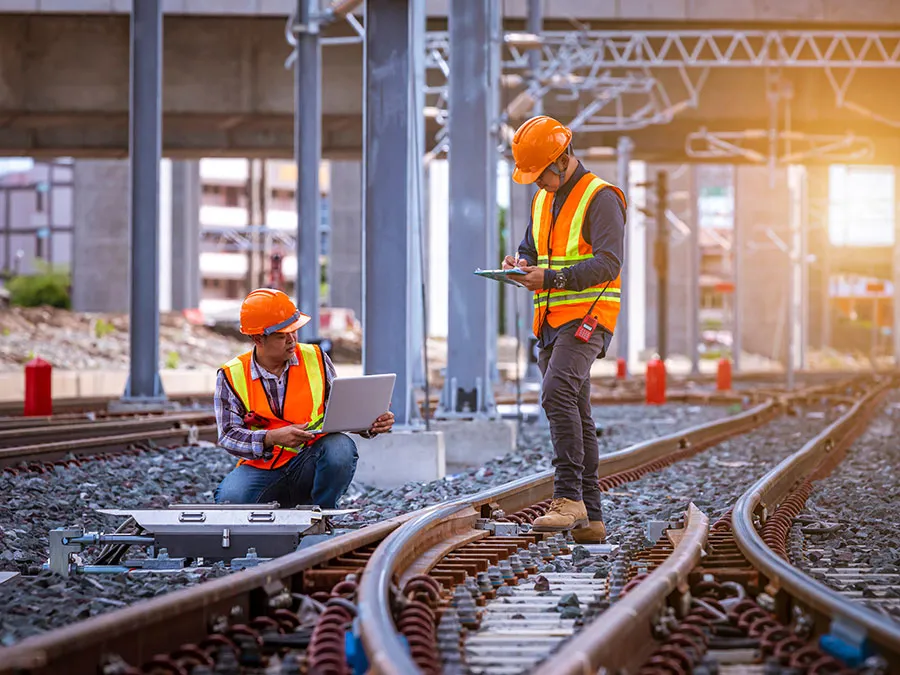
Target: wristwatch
(559, 281)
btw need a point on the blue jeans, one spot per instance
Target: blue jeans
(318, 475)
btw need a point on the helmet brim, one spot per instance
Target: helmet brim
(525, 177)
(297, 325)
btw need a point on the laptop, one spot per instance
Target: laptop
(356, 402)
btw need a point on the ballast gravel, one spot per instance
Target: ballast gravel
(848, 535)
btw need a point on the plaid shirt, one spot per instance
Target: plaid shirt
(233, 435)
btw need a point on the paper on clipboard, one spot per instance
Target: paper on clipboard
(503, 276)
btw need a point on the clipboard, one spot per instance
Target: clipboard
(503, 276)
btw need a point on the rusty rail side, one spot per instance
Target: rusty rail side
(386, 652)
(66, 432)
(44, 452)
(760, 502)
(623, 631)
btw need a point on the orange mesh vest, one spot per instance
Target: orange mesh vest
(304, 399)
(561, 244)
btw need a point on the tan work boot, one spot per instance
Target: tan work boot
(563, 514)
(594, 533)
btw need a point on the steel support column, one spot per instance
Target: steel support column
(896, 271)
(624, 150)
(387, 230)
(308, 154)
(661, 258)
(694, 243)
(535, 25)
(737, 255)
(145, 123)
(185, 234)
(472, 157)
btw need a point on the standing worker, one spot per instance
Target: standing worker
(268, 400)
(572, 253)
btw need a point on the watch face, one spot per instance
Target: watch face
(560, 281)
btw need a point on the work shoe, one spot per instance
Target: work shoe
(594, 533)
(563, 514)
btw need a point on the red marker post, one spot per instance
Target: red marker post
(656, 382)
(723, 375)
(621, 369)
(38, 388)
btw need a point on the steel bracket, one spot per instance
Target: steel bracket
(496, 528)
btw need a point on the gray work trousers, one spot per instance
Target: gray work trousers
(566, 398)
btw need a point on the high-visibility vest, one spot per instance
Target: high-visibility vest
(304, 399)
(561, 244)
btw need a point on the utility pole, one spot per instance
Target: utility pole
(624, 151)
(661, 262)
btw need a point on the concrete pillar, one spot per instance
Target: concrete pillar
(764, 272)
(100, 251)
(345, 264)
(186, 287)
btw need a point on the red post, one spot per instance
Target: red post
(723, 375)
(656, 382)
(38, 388)
(621, 370)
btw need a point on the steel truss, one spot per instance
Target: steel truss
(240, 240)
(611, 72)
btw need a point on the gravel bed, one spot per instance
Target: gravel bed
(848, 529)
(713, 479)
(36, 503)
(619, 425)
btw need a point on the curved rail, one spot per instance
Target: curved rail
(625, 634)
(774, 487)
(387, 653)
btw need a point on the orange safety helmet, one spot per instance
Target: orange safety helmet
(266, 311)
(536, 144)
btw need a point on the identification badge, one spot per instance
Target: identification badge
(586, 329)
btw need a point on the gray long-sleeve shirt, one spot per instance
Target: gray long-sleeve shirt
(603, 229)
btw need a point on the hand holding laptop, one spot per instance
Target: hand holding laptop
(383, 424)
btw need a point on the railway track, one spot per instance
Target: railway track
(38, 448)
(254, 615)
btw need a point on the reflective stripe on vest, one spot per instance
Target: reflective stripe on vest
(304, 399)
(561, 244)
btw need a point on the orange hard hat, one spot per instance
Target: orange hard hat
(537, 143)
(267, 310)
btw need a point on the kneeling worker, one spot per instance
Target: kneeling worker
(572, 253)
(266, 399)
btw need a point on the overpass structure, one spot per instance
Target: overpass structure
(749, 83)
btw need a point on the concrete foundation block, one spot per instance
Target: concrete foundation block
(390, 460)
(473, 442)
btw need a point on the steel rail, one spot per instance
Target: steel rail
(387, 653)
(95, 403)
(56, 433)
(46, 452)
(623, 633)
(762, 498)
